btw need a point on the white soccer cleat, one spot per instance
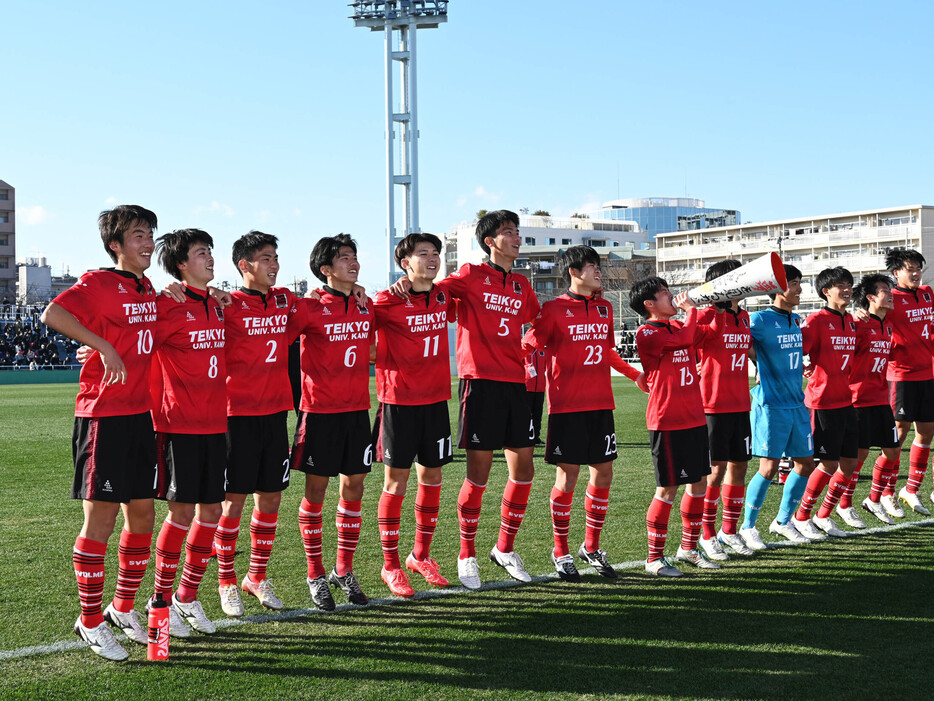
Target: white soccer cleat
(876, 509)
(891, 506)
(469, 572)
(128, 623)
(808, 529)
(231, 603)
(512, 563)
(828, 526)
(264, 592)
(790, 531)
(662, 568)
(193, 614)
(177, 626)
(850, 517)
(914, 501)
(735, 543)
(750, 537)
(102, 642)
(696, 558)
(713, 550)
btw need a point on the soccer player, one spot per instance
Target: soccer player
(190, 417)
(413, 383)
(258, 401)
(829, 339)
(577, 330)
(113, 311)
(724, 384)
(332, 436)
(674, 418)
(910, 373)
(780, 423)
(535, 389)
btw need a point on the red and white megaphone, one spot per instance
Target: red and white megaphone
(758, 277)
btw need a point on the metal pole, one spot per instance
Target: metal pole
(413, 135)
(390, 128)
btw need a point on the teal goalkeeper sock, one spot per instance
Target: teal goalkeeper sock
(755, 496)
(791, 496)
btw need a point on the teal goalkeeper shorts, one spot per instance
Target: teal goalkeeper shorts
(779, 433)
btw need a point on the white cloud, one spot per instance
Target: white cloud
(216, 207)
(591, 206)
(111, 201)
(461, 200)
(485, 195)
(32, 215)
(297, 212)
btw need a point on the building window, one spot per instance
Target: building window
(551, 242)
(4, 263)
(565, 242)
(529, 240)
(4, 194)
(4, 217)
(4, 240)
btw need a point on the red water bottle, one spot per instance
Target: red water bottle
(158, 647)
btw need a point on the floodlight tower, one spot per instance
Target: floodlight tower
(404, 17)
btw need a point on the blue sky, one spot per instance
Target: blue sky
(230, 115)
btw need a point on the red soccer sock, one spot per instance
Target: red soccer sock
(561, 519)
(389, 513)
(88, 558)
(917, 466)
(892, 478)
(197, 556)
(838, 486)
(427, 503)
(846, 501)
(692, 512)
(225, 545)
(311, 526)
(468, 514)
(596, 502)
(168, 553)
(348, 522)
(815, 487)
(881, 473)
(711, 502)
(262, 537)
(656, 522)
(515, 502)
(134, 556)
(734, 497)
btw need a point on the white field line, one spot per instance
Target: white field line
(68, 645)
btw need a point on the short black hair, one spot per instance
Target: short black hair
(869, 285)
(247, 246)
(406, 246)
(326, 250)
(490, 222)
(643, 291)
(114, 223)
(896, 258)
(172, 248)
(719, 269)
(576, 257)
(830, 277)
(791, 273)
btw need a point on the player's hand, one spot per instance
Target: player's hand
(84, 354)
(400, 288)
(359, 293)
(224, 299)
(174, 290)
(642, 383)
(861, 314)
(682, 301)
(114, 369)
(598, 294)
(312, 294)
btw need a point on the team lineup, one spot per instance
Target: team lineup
(184, 397)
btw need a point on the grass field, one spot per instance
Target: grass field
(848, 618)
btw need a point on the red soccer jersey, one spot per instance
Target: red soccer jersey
(121, 309)
(829, 337)
(492, 306)
(873, 345)
(189, 374)
(257, 351)
(578, 334)
(413, 364)
(336, 338)
(667, 352)
(724, 378)
(912, 348)
(534, 369)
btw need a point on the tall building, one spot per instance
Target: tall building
(657, 215)
(7, 240)
(857, 241)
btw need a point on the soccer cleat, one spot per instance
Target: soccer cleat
(263, 592)
(828, 526)
(789, 531)
(662, 568)
(931, 497)
(320, 593)
(751, 538)
(914, 501)
(877, 510)
(397, 582)
(850, 517)
(427, 569)
(565, 568)
(350, 586)
(177, 626)
(891, 506)
(128, 623)
(598, 560)
(735, 542)
(468, 572)
(512, 563)
(696, 558)
(713, 550)
(231, 603)
(102, 642)
(808, 529)
(193, 614)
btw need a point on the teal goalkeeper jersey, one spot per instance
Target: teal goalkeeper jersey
(776, 337)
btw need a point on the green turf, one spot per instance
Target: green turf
(841, 619)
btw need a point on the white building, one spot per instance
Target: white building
(34, 284)
(857, 241)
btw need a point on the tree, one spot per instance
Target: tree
(481, 213)
(580, 216)
(541, 213)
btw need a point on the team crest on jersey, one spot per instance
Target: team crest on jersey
(797, 322)
(746, 323)
(220, 313)
(282, 302)
(516, 287)
(927, 297)
(364, 310)
(441, 298)
(602, 311)
(853, 326)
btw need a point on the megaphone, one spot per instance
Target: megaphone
(758, 277)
